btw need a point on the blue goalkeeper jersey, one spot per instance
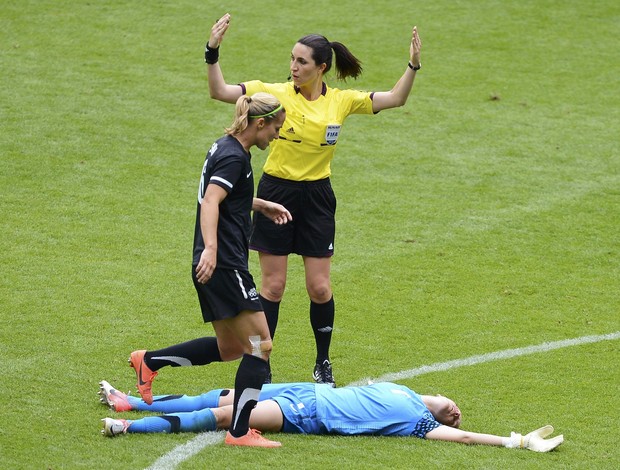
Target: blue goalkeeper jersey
(384, 409)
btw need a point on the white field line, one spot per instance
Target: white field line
(494, 356)
(183, 452)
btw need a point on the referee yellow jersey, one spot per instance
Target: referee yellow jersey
(308, 138)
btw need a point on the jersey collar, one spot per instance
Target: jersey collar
(323, 90)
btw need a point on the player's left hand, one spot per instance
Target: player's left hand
(414, 49)
(277, 213)
(218, 30)
(535, 440)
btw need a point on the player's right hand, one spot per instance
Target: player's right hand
(206, 265)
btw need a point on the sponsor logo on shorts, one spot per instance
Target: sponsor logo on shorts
(252, 294)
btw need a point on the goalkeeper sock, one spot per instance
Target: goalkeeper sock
(177, 403)
(195, 421)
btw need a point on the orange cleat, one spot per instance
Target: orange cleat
(144, 374)
(252, 439)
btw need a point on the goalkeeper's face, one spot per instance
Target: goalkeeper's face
(449, 414)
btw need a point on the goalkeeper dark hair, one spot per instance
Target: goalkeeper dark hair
(323, 51)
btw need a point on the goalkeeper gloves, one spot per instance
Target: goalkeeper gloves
(535, 440)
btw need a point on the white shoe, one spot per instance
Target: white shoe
(116, 400)
(113, 427)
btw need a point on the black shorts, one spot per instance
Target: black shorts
(313, 228)
(228, 293)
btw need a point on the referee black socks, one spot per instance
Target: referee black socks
(322, 321)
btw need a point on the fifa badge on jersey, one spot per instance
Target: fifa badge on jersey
(332, 133)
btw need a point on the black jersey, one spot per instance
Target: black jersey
(228, 165)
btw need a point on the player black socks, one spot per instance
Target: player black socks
(197, 352)
(248, 382)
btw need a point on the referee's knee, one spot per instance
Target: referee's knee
(274, 291)
(320, 293)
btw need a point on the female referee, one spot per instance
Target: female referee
(296, 173)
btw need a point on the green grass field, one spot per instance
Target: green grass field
(482, 216)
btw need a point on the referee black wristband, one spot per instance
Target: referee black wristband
(410, 65)
(212, 55)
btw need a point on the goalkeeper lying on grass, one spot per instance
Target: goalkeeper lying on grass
(381, 409)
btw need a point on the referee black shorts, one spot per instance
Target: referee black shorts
(312, 205)
(228, 293)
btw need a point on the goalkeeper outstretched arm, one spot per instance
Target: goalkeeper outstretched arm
(535, 440)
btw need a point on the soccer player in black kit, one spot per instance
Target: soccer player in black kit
(226, 290)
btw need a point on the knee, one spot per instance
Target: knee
(273, 289)
(319, 292)
(223, 416)
(230, 352)
(263, 350)
(266, 347)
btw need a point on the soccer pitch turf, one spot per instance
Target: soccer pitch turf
(477, 222)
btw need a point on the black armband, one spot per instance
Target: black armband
(414, 68)
(212, 55)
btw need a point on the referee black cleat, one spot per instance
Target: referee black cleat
(323, 373)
